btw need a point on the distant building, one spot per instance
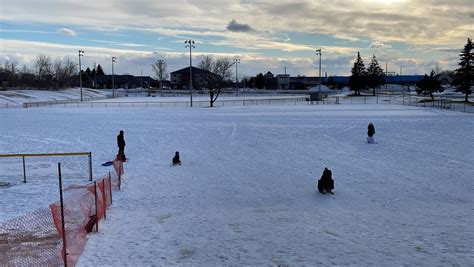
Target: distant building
(271, 82)
(303, 82)
(283, 81)
(121, 81)
(180, 78)
(403, 79)
(444, 79)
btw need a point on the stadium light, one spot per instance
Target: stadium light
(190, 44)
(113, 80)
(81, 54)
(318, 52)
(236, 62)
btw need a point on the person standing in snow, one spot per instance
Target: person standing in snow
(176, 160)
(121, 144)
(370, 134)
(326, 183)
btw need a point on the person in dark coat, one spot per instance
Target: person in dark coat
(121, 144)
(326, 183)
(370, 134)
(176, 160)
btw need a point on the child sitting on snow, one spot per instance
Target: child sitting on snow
(326, 183)
(176, 160)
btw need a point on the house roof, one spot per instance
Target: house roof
(194, 69)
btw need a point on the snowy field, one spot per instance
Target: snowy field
(245, 194)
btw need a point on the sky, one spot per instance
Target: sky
(408, 36)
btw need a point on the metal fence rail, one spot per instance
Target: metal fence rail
(400, 99)
(67, 101)
(199, 103)
(24, 156)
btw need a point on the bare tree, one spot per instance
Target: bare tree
(159, 67)
(42, 66)
(63, 71)
(219, 71)
(9, 74)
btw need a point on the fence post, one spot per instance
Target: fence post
(90, 166)
(104, 199)
(24, 170)
(96, 214)
(110, 188)
(64, 252)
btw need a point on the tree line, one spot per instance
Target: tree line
(46, 74)
(373, 76)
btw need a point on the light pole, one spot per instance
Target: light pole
(318, 52)
(161, 63)
(190, 44)
(81, 54)
(113, 80)
(236, 62)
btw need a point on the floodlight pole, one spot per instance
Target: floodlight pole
(113, 80)
(81, 54)
(190, 44)
(161, 62)
(236, 62)
(318, 52)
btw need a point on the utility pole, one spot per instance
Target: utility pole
(81, 54)
(190, 44)
(318, 52)
(113, 78)
(236, 62)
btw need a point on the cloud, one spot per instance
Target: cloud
(414, 22)
(379, 45)
(234, 26)
(67, 32)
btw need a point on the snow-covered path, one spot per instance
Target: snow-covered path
(245, 194)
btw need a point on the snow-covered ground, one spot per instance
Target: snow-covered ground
(15, 98)
(245, 194)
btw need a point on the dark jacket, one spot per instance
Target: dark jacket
(370, 130)
(120, 141)
(176, 160)
(326, 183)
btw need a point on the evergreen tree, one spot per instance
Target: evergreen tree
(357, 80)
(100, 71)
(375, 75)
(428, 85)
(464, 77)
(260, 81)
(86, 76)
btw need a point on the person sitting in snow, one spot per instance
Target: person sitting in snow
(326, 183)
(370, 134)
(176, 160)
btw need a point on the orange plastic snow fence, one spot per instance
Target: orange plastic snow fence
(79, 210)
(35, 239)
